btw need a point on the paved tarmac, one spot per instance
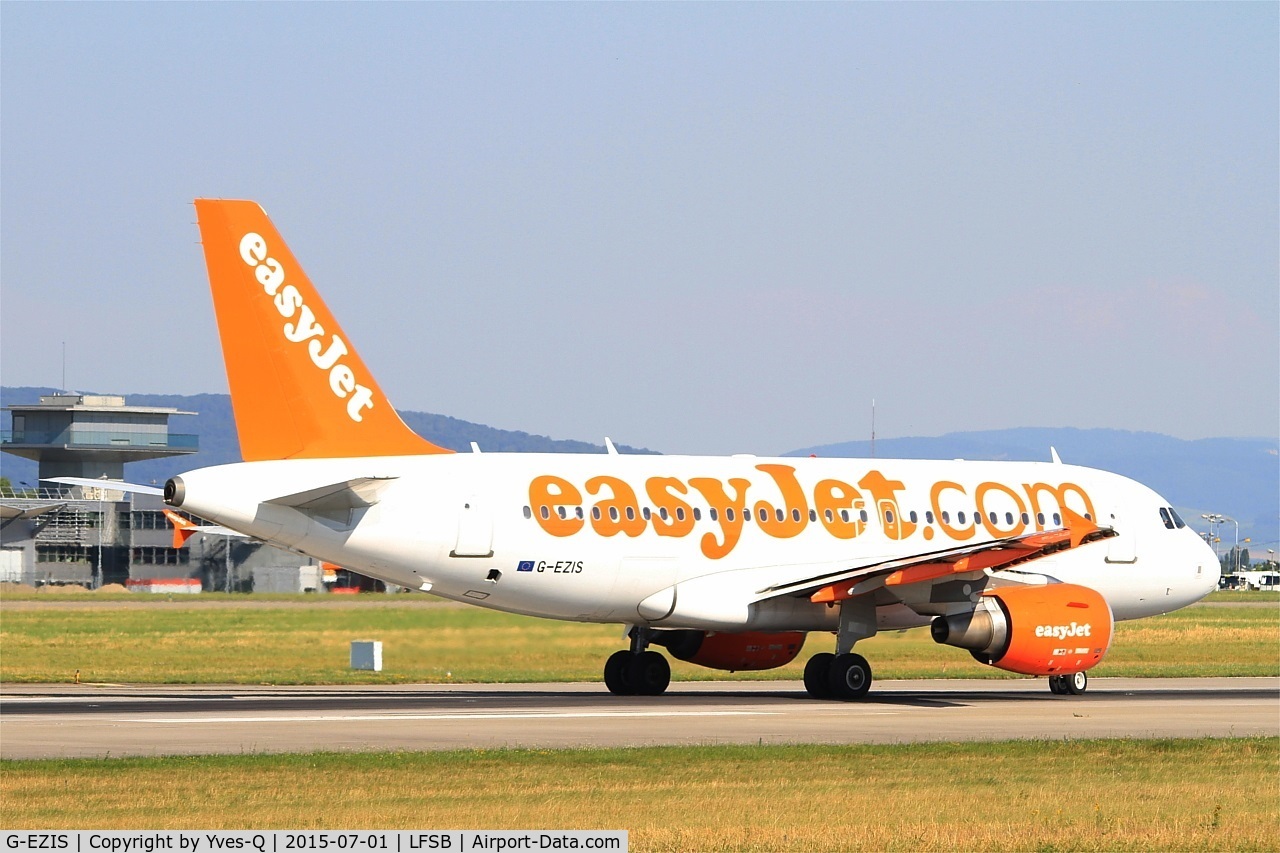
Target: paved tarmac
(45, 721)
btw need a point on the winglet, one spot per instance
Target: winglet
(298, 387)
(1077, 525)
(1053, 455)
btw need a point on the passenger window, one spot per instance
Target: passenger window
(912, 516)
(1040, 518)
(888, 516)
(1057, 520)
(562, 512)
(728, 514)
(595, 513)
(946, 517)
(646, 513)
(544, 512)
(960, 516)
(928, 516)
(992, 517)
(813, 515)
(679, 513)
(528, 513)
(613, 513)
(1164, 516)
(830, 517)
(1088, 517)
(715, 514)
(631, 513)
(844, 515)
(662, 513)
(1026, 519)
(763, 515)
(778, 512)
(578, 511)
(697, 514)
(1008, 518)
(862, 514)
(795, 515)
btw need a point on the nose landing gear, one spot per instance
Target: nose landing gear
(1069, 685)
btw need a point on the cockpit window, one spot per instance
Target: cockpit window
(1177, 519)
(1164, 516)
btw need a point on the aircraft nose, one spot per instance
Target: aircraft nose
(1208, 571)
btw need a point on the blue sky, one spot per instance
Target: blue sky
(698, 228)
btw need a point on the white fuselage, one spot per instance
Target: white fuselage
(662, 539)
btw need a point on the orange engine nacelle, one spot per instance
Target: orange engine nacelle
(1035, 630)
(716, 650)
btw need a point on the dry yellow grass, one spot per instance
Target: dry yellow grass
(1091, 795)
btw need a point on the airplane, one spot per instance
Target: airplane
(726, 562)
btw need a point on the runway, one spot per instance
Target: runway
(47, 721)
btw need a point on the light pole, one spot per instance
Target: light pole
(1217, 518)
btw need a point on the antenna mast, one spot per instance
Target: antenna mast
(873, 427)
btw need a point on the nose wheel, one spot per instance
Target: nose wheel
(1069, 685)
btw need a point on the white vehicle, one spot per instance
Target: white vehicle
(725, 562)
(1259, 580)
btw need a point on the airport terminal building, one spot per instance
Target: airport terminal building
(59, 535)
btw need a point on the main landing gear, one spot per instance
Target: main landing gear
(637, 671)
(844, 675)
(1073, 684)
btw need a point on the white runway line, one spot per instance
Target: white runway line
(365, 718)
(368, 718)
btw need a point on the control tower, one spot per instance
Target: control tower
(78, 435)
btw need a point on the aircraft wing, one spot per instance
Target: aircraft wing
(13, 511)
(927, 567)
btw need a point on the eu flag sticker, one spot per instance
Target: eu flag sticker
(525, 566)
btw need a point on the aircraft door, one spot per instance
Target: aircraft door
(1124, 547)
(475, 530)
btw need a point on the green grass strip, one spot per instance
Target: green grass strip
(255, 642)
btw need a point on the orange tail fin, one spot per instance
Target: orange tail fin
(298, 388)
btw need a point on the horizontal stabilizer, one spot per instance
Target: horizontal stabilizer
(184, 529)
(336, 501)
(112, 485)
